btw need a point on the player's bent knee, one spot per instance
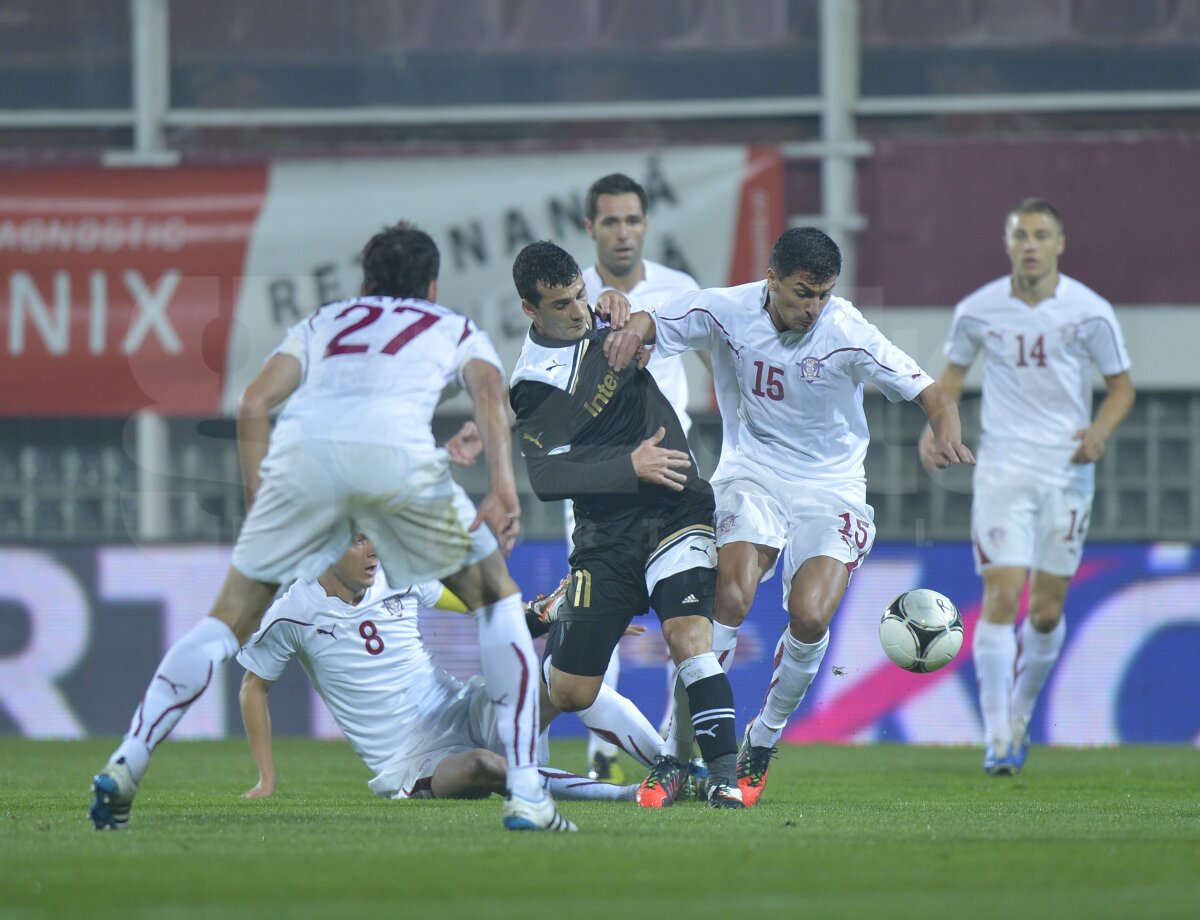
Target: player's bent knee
(807, 626)
(732, 603)
(572, 699)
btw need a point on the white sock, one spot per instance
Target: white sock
(664, 726)
(510, 672)
(563, 785)
(596, 744)
(796, 665)
(995, 652)
(182, 675)
(622, 725)
(724, 644)
(680, 734)
(1037, 652)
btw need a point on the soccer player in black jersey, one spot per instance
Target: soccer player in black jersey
(643, 516)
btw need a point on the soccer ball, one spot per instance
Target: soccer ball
(921, 630)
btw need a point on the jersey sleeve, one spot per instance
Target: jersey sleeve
(270, 649)
(546, 427)
(964, 338)
(428, 593)
(295, 344)
(891, 369)
(475, 345)
(1101, 335)
(684, 323)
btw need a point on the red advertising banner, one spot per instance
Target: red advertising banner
(117, 288)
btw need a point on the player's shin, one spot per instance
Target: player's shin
(182, 676)
(710, 699)
(563, 785)
(796, 665)
(619, 722)
(1036, 657)
(510, 674)
(599, 743)
(678, 722)
(724, 644)
(994, 651)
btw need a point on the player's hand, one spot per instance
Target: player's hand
(501, 511)
(634, 629)
(614, 307)
(465, 446)
(658, 465)
(1091, 446)
(263, 789)
(622, 347)
(938, 455)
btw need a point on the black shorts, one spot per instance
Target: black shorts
(608, 577)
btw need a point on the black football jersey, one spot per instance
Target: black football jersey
(578, 422)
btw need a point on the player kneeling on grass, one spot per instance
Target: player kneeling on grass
(424, 733)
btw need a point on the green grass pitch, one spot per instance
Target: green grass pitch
(879, 831)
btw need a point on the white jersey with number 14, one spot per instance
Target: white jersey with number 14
(1037, 373)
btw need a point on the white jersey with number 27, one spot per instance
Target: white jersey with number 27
(374, 369)
(1037, 373)
(800, 408)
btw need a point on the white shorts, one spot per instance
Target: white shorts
(802, 519)
(315, 493)
(465, 721)
(1017, 521)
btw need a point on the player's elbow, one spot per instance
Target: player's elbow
(253, 687)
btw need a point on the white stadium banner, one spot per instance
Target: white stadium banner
(714, 211)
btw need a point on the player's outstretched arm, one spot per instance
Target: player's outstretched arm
(256, 717)
(949, 388)
(278, 380)
(1112, 412)
(500, 508)
(944, 447)
(622, 346)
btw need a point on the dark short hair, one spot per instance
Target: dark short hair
(808, 250)
(546, 262)
(400, 261)
(1036, 206)
(613, 184)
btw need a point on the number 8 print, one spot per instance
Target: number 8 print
(374, 641)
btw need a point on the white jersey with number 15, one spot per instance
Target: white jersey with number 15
(800, 412)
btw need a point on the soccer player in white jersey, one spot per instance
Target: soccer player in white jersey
(793, 480)
(616, 219)
(423, 733)
(361, 379)
(1042, 336)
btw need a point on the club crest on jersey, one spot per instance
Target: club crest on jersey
(1070, 335)
(810, 368)
(996, 536)
(727, 523)
(394, 605)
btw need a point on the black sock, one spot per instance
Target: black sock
(711, 702)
